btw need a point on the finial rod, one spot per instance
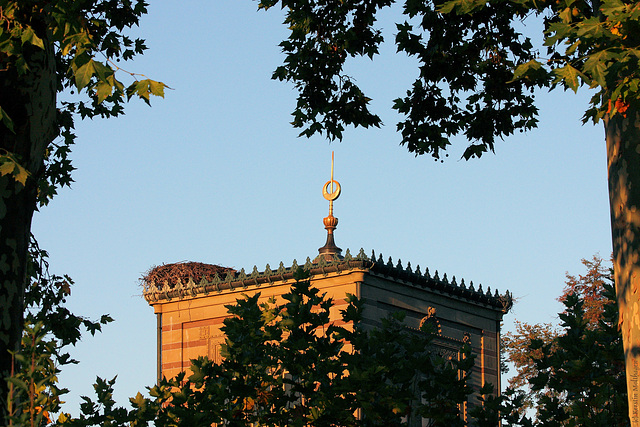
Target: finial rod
(332, 171)
(330, 191)
(335, 189)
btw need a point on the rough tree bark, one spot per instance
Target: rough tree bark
(32, 107)
(623, 157)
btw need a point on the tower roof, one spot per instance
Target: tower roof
(227, 279)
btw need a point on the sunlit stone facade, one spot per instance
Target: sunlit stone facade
(190, 313)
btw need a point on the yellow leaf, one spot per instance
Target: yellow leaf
(8, 165)
(6, 168)
(20, 174)
(157, 88)
(66, 48)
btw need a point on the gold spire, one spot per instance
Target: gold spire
(330, 251)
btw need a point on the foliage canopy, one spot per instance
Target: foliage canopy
(477, 71)
(575, 373)
(477, 78)
(87, 40)
(52, 48)
(284, 363)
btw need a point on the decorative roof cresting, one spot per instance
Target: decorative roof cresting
(330, 191)
(191, 279)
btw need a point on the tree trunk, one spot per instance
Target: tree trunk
(623, 157)
(30, 100)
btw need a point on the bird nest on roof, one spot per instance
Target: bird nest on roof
(171, 273)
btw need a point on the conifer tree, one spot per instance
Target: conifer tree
(576, 372)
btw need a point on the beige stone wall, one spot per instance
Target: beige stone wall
(191, 326)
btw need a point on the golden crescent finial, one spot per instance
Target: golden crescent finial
(330, 191)
(334, 194)
(335, 186)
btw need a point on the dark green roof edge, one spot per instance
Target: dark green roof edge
(154, 292)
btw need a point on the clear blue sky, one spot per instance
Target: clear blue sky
(214, 173)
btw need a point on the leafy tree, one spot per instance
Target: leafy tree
(477, 76)
(589, 289)
(517, 347)
(48, 47)
(586, 371)
(285, 363)
(288, 364)
(502, 410)
(576, 374)
(49, 329)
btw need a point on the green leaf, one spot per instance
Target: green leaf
(105, 318)
(6, 120)
(18, 383)
(569, 75)
(103, 90)
(529, 70)
(574, 46)
(66, 48)
(84, 73)
(596, 66)
(103, 71)
(462, 7)
(29, 36)
(556, 32)
(634, 52)
(117, 84)
(448, 6)
(612, 7)
(142, 89)
(591, 28)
